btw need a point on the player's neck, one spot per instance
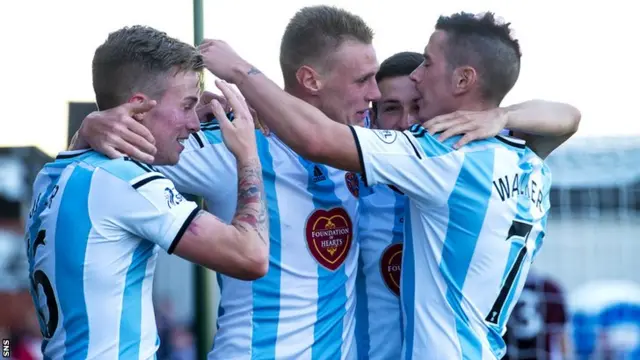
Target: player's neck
(476, 105)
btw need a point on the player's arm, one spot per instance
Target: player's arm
(243, 246)
(544, 125)
(301, 126)
(239, 249)
(150, 207)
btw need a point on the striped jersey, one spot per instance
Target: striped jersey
(304, 307)
(475, 219)
(93, 232)
(380, 234)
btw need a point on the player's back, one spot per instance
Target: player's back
(92, 277)
(468, 247)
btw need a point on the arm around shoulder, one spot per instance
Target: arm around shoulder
(545, 125)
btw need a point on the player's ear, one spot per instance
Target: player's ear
(138, 98)
(463, 79)
(309, 79)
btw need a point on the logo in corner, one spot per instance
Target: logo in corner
(391, 266)
(173, 197)
(353, 184)
(329, 235)
(318, 175)
(387, 136)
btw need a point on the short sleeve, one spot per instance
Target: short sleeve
(208, 169)
(412, 161)
(147, 206)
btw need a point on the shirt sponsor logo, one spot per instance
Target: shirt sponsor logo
(391, 266)
(329, 235)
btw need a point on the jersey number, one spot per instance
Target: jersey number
(518, 229)
(40, 279)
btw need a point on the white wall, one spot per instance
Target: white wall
(586, 248)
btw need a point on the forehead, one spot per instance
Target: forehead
(435, 47)
(183, 84)
(354, 59)
(398, 88)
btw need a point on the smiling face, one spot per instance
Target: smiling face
(349, 84)
(397, 108)
(174, 117)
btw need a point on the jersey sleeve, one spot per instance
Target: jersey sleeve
(207, 169)
(147, 206)
(413, 161)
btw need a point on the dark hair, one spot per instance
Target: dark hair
(399, 64)
(138, 59)
(314, 33)
(486, 44)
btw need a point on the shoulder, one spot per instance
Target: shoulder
(126, 169)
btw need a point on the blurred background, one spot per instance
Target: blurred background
(570, 54)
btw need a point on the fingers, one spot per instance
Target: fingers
(135, 153)
(218, 111)
(238, 104)
(467, 138)
(142, 147)
(455, 130)
(139, 107)
(111, 153)
(442, 118)
(206, 97)
(434, 128)
(223, 101)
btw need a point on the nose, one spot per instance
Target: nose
(414, 74)
(193, 124)
(373, 93)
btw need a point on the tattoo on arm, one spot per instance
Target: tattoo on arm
(253, 71)
(251, 213)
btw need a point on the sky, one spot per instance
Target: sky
(577, 53)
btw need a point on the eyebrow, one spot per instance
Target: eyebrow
(367, 76)
(192, 99)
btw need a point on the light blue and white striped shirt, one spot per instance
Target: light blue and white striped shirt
(475, 219)
(304, 308)
(378, 312)
(93, 236)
